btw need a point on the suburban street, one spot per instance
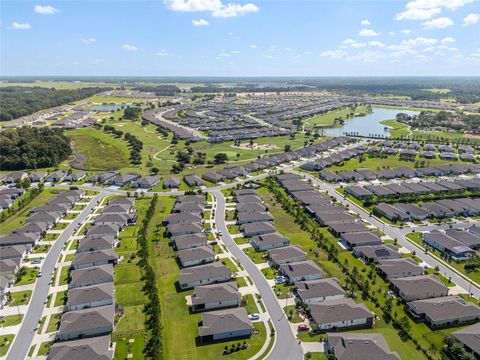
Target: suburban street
(399, 234)
(23, 339)
(285, 346)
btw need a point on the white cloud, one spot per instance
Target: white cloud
(129, 47)
(253, 46)
(426, 9)
(200, 22)
(406, 31)
(365, 22)
(471, 19)
(288, 49)
(353, 43)
(438, 23)
(45, 10)
(215, 7)
(21, 26)
(334, 54)
(421, 58)
(391, 33)
(235, 52)
(419, 42)
(223, 54)
(162, 53)
(232, 10)
(376, 44)
(447, 40)
(88, 41)
(368, 32)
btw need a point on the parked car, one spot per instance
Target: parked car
(39, 274)
(280, 280)
(254, 316)
(36, 261)
(302, 327)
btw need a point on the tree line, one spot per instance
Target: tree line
(32, 148)
(153, 344)
(18, 101)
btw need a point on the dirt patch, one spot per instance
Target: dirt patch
(471, 136)
(80, 159)
(255, 146)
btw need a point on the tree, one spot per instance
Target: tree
(183, 157)
(287, 148)
(221, 158)
(132, 113)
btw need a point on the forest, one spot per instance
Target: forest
(31, 148)
(18, 101)
(427, 120)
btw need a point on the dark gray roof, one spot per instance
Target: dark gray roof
(224, 321)
(360, 346)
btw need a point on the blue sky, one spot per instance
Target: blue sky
(240, 38)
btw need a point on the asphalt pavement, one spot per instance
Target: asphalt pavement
(286, 346)
(22, 341)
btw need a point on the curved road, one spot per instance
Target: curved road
(22, 341)
(286, 346)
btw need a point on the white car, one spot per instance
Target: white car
(254, 316)
(280, 280)
(220, 233)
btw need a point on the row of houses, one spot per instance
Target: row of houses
(14, 247)
(233, 172)
(459, 244)
(413, 188)
(405, 276)
(438, 209)
(400, 172)
(89, 312)
(333, 159)
(130, 179)
(215, 293)
(42, 176)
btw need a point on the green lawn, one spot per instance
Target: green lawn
(5, 342)
(240, 281)
(28, 278)
(328, 119)
(124, 347)
(11, 320)
(257, 257)
(397, 129)
(250, 305)
(230, 264)
(44, 348)
(20, 298)
(53, 323)
(60, 298)
(64, 275)
(291, 312)
(269, 273)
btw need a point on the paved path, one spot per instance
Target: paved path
(286, 346)
(24, 337)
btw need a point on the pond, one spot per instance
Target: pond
(369, 124)
(106, 107)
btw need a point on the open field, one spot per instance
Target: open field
(59, 85)
(103, 151)
(397, 129)
(374, 163)
(328, 119)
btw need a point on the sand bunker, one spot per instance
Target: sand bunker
(255, 146)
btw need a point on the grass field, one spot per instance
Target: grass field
(20, 298)
(394, 161)
(5, 342)
(328, 119)
(92, 143)
(397, 129)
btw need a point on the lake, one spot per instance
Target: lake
(106, 107)
(369, 124)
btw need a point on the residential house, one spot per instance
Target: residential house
(204, 275)
(215, 296)
(419, 287)
(399, 268)
(285, 255)
(301, 271)
(86, 323)
(89, 297)
(269, 241)
(91, 276)
(314, 291)
(359, 346)
(225, 324)
(196, 256)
